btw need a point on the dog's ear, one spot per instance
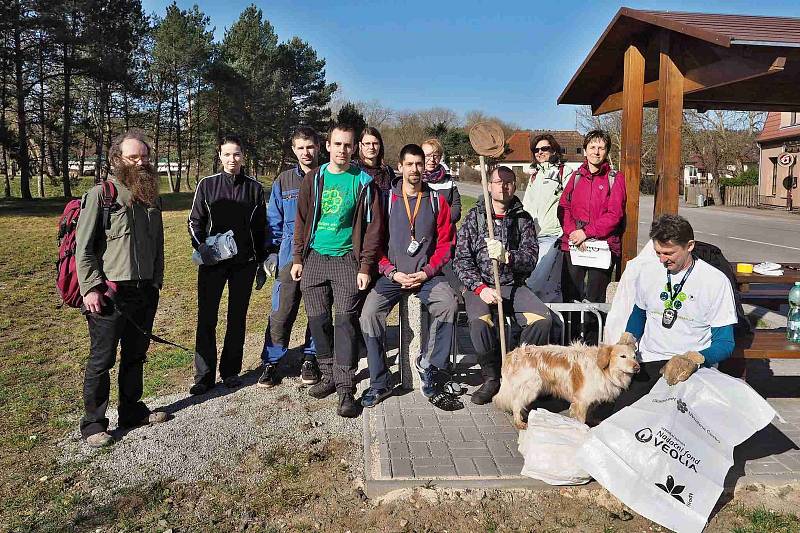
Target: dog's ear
(604, 357)
(627, 339)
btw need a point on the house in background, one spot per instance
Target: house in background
(779, 128)
(696, 173)
(519, 157)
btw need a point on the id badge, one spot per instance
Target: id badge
(413, 247)
(669, 317)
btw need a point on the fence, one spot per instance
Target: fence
(691, 192)
(743, 196)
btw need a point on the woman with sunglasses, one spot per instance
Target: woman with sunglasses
(541, 201)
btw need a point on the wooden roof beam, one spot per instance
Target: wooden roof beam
(724, 72)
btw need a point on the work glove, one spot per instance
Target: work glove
(271, 264)
(207, 254)
(261, 276)
(496, 250)
(680, 367)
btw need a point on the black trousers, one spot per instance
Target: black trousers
(641, 384)
(586, 283)
(211, 281)
(107, 330)
(329, 282)
(529, 312)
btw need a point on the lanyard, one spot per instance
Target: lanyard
(673, 294)
(412, 218)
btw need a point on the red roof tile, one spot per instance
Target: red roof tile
(773, 132)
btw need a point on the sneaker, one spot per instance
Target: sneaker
(270, 376)
(323, 389)
(99, 440)
(200, 388)
(232, 382)
(347, 405)
(446, 401)
(373, 396)
(309, 372)
(486, 391)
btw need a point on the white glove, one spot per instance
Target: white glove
(496, 250)
(271, 264)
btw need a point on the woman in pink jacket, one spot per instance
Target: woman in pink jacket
(592, 207)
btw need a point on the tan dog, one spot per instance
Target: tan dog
(582, 375)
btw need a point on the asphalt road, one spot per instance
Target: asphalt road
(751, 235)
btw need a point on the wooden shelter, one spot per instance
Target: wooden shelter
(673, 61)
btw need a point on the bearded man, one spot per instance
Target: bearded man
(119, 258)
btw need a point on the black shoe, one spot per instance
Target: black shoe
(446, 401)
(486, 391)
(269, 378)
(347, 405)
(200, 388)
(232, 382)
(323, 389)
(375, 396)
(309, 372)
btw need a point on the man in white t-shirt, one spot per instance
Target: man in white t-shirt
(683, 313)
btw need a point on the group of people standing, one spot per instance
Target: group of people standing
(349, 237)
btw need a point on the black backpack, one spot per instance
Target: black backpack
(714, 257)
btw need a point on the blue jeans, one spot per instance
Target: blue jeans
(545, 281)
(442, 306)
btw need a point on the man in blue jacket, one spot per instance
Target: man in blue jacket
(286, 295)
(683, 313)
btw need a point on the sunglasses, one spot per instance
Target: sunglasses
(542, 149)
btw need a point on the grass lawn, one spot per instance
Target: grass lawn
(44, 348)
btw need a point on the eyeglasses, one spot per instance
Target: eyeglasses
(433, 156)
(504, 183)
(137, 158)
(542, 149)
(374, 145)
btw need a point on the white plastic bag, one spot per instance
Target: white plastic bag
(222, 244)
(548, 447)
(667, 455)
(596, 255)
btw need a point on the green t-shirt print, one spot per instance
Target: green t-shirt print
(334, 233)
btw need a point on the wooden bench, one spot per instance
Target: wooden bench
(766, 344)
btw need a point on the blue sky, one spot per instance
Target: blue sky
(508, 59)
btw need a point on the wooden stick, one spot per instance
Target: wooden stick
(495, 265)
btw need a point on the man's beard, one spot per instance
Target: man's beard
(142, 181)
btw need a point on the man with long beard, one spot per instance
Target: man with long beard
(120, 265)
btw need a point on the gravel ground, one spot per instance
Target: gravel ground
(211, 434)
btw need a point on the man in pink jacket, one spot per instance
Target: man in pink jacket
(592, 207)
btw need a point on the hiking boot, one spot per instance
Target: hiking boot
(486, 391)
(200, 388)
(446, 401)
(373, 396)
(309, 372)
(100, 440)
(429, 385)
(347, 405)
(323, 389)
(232, 382)
(270, 376)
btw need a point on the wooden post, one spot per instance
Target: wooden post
(670, 118)
(631, 149)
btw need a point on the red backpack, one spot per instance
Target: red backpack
(66, 275)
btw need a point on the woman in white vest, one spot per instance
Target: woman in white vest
(541, 201)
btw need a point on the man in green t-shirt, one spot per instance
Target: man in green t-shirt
(337, 244)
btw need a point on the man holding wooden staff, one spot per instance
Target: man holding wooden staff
(515, 248)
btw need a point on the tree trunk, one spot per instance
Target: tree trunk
(67, 111)
(82, 158)
(7, 191)
(197, 137)
(22, 119)
(169, 144)
(178, 147)
(190, 132)
(159, 103)
(42, 118)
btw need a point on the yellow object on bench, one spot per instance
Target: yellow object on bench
(744, 268)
